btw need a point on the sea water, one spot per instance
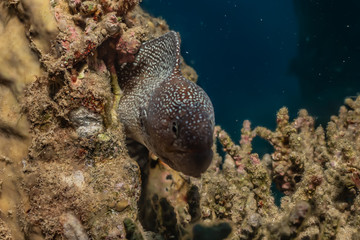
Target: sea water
(255, 56)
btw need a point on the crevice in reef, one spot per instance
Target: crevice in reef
(55, 83)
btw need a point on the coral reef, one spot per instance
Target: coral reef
(96, 182)
(71, 177)
(238, 190)
(68, 172)
(317, 170)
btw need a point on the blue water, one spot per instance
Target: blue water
(254, 57)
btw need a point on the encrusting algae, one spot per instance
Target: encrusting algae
(67, 170)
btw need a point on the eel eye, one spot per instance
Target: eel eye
(175, 128)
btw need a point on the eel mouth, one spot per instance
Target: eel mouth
(190, 163)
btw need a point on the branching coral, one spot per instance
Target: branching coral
(239, 192)
(317, 170)
(289, 141)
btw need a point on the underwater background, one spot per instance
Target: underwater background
(253, 57)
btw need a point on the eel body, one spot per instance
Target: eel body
(172, 116)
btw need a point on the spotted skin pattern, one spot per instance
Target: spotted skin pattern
(170, 115)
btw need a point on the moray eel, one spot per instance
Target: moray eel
(170, 115)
